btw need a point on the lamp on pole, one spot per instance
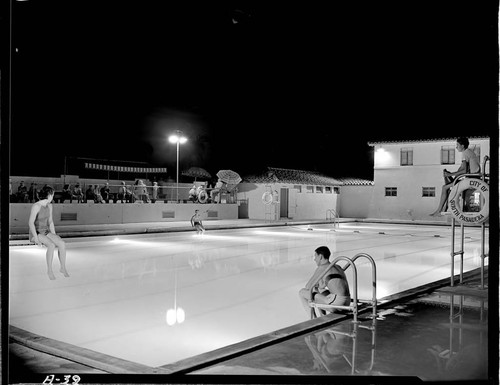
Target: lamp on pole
(178, 139)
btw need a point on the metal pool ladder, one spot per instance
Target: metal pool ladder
(354, 301)
(332, 216)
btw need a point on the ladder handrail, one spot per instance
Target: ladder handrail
(333, 215)
(374, 279)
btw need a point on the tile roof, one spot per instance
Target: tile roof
(356, 182)
(425, 140)
(283, 175)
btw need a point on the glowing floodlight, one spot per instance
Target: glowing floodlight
(382, 155)
(178, 139)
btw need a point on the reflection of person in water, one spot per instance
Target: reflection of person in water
(327, 347)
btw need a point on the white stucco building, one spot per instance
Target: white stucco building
(408, 175)
(283, 193)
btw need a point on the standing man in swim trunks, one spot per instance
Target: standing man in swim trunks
(42, 230)
(196, 222)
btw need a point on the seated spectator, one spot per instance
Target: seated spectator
(77, 193)
(141, 191)
(89, 194)
(105, 192)
(155, 191)
(33, 193)
(97, 195)
(193, 193)
(22, 193)
(215, 193)
(124, 194)
(66, 193)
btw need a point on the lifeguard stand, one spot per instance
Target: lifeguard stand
(457, 202)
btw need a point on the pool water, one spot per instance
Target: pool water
(420, 338)
(159, 298)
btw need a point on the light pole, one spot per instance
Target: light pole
(178, 139)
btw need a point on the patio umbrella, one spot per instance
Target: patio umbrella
(197, 172)
(228, 176)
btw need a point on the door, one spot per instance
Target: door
(284, 203)
(292, 203)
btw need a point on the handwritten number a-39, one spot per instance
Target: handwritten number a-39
(50, 379)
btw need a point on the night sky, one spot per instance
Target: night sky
(301, 85)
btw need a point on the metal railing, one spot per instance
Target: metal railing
(332, 216)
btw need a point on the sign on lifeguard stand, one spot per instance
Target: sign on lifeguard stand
(469, 201)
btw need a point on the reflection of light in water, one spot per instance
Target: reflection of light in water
(211, 235)
(136, 242)
(282, 233)
(382, 290)
(177, 314)
(34, 250)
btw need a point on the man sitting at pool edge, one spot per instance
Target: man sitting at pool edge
(333, 289)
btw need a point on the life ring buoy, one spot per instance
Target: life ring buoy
(267, 198)
(457, 209)
(202, 196)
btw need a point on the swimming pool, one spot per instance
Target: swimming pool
(231, 285)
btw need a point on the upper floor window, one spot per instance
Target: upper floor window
(406, 156)
(428, 191)
(391, 191)
(447, 154)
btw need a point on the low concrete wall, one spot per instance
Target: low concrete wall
(120, 213)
